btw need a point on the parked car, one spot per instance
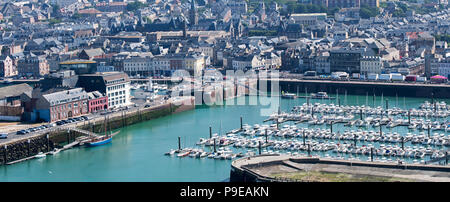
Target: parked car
(3, 135)
(85, 118)
(21, 132)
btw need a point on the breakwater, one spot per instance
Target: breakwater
(262, 169)
(24, 148)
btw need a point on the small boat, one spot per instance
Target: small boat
(101, 140)
(183, 154)
(55, 151)
(288, 95)
(319, 95)
(40, 155)
(203, 154)
(171, 152)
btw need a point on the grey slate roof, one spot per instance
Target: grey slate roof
(66, 96)
(15, 90)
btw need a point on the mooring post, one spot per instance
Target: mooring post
(446, 157)
(68, 136)
(360, 114)
(179, 143)
(381, 131)
(48, 143)
(371, 154)
(331, 127)
(409, 116)
(373, 99)
(354, 139)
(259, 147)
(29, 142)
(210, 132)
(403, 142)
(5, 154)
(387, 104)
(241, 122)
(432, 98)
(309, 149)
(266, 135)
(429, 127)
(304, 142)
(123, 124)
(339, 101)
(214, 145)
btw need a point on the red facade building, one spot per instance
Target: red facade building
(97, 101)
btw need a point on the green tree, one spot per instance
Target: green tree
(368, 12)
(134, 6)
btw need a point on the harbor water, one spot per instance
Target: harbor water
(137, 152)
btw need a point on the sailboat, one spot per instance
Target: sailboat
(101, 140)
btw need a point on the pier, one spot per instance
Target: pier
(283, 168)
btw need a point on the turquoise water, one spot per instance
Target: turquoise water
(137, 152)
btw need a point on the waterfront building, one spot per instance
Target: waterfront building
(61, 105)
(371, 65)
(322, 64)
(115, 85)
(432, 64)
(7, 69)
(97, 101)
(138, 65)
(444, 67)
(247, 62)
(31, 65)
(346, 60)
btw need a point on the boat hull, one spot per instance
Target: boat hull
(98, 143)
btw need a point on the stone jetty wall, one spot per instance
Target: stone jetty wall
(20, 149)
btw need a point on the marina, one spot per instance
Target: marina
(137, 152)
(425, 139)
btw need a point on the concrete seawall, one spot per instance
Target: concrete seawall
(259, 168)
(440, 91)
(20, 149)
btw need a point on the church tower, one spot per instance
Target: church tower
(193, 17)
